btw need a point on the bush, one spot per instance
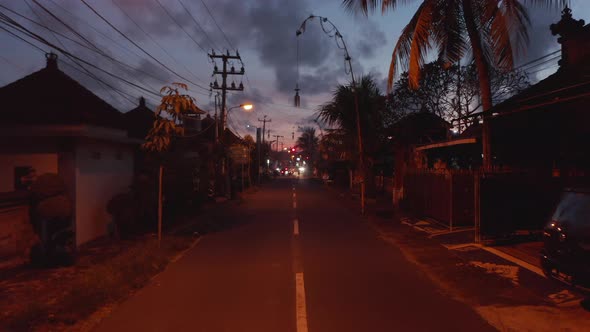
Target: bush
(122, 208)
(54, 207)
(52, 212)
(48, 185)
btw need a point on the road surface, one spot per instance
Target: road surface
(298, 259)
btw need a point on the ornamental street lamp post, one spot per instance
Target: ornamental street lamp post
(332, 31)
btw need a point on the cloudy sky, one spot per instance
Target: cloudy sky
(175, 36)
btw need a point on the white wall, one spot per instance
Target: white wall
(98, 179)
(41, 162)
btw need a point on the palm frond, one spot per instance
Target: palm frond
(364, 7)
(421, 40)
(519, 22)
(449, 32)
(402, 49)
(555, 4)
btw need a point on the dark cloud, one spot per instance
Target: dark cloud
(156, 73)
(268, 28)
(370, 41)
(541, 40)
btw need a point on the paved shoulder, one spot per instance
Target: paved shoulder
(236, 280)
(356, 282)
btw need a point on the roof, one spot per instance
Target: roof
(230, 137)
(566, 84)
(420, 127)
(139, 120)
(50, 97)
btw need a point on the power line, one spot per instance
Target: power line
(104, 35)
(46, 42)
(76, 63)
(147, 34)
(94, 48)
(139, 47)
(71, 66)
(544, 62)
(180, 26)
(65, 24)
(24, 40)
(537, 59)
(542, 69)
(214, 46)
(218, 27)
(68, 54)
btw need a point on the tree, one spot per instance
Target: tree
(308, 142)
(168, 125)
(340, 114)
(452, 92)
(490, 29)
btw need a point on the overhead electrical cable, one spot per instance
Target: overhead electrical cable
(93, 49)
(537, 59)
(80, 66)
(101, 33)
(213, 45)
(65, 24)
(48, 43)
(45, 52)
(149, 36)
(180, 26)
(218, 27)
(141, 48)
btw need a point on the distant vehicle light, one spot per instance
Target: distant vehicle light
(301, 169)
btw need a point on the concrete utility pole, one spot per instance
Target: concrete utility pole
(224, 87)
(277, 139)
(223, 175)
(264, 121)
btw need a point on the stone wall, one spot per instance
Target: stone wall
(16, 232)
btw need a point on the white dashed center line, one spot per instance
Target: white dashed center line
(300, 303)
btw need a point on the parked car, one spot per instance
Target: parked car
(566, 250)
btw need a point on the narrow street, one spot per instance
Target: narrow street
(297, 260)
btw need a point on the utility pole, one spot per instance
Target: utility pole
(223, 174)
(277, 139)
(264, 121)
(216, 123)
(224, 87)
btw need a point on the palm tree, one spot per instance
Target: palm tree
(340, 113)
(308, 142)
(490, 29)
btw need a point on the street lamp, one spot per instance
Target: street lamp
(332, 31)
(246, 107)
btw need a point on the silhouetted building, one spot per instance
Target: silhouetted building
(52, 124)
(544, 129)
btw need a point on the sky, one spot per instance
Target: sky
(179, 34)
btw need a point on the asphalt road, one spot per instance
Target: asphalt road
(327, 271)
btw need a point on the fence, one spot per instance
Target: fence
(447, 197)
(498, 205)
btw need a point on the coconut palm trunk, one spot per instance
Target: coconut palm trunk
(484, 81)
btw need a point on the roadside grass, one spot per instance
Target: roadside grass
(97, 285)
